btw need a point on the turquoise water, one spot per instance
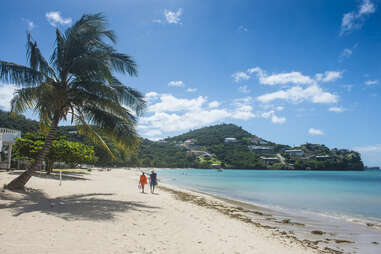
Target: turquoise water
(350, 195)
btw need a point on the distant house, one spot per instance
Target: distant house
(189, 142)
(230, 140)
(270, 160)
(259, 141)
(261, 149)
(73, 132)
(323, 158)
(295, 152)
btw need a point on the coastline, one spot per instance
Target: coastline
(282, 225)
(105, 210)
(344, 233)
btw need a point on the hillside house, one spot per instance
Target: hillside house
(189, 142)
(295, 152)
(261, 149)
(323, 158)
(270, 160)
(258, 141)
(230, 140)
(7, 138)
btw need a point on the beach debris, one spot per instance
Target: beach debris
(342, 241)
(375, 243)
(317, 232)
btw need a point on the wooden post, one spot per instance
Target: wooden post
(9, 155)
(60, 177)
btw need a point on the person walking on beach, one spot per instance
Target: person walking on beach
(152, 181)
(143, 181)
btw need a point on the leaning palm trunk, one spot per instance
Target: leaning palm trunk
(20, 181)
(77, 82)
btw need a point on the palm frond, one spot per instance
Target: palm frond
(36, 61)
(85, 129)
(19, 74)
(120, 129)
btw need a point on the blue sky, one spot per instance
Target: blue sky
(288, 71)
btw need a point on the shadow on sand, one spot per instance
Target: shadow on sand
(72, 207)
(66, 176)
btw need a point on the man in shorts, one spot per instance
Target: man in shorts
(152, 181)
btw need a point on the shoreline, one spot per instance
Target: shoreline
(282, 225)
(105, 210)
(345, 234)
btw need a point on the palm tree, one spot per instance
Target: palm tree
(77, 83)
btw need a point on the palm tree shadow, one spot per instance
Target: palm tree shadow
(66, 176)
(72, 207)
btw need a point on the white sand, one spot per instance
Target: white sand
(105, 213)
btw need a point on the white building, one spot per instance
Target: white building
(295, 152)
(7, 138)
(270, 160)
(261, 149)
(189, 142)
(230, 140)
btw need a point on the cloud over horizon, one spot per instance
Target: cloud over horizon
(355, 19)
(54, 18)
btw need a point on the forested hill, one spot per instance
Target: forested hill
(218, 146)
(213, 135)
(17, 122)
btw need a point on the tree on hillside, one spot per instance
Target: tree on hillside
(77, 83)
(61, 150)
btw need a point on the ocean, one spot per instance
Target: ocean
(345, 203)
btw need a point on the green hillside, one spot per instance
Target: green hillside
(218, 146)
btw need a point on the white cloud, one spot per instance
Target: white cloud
(367, 7)
(281, 78)
(336, 109)
(238, 76)
(313, 131)
(243, 109)
(176, 83)
(347, 52)
(279, 120)
(169, 103)
(244, 89)
(279, 108)
(173, 17)
(157, 21)
(214, 104)
(371, 82)
(151, 96)
(6, 95)
(297, 94)
(54, 18)
(355, 19)
(371, 154)
(243, 28)
(168, 114)
(274, 118)
(169, 122)
(372, 148)
(348, 87)
(153, 133)
(191, 90)
(30, 23)
(328, 76)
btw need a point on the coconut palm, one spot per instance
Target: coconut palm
(77, 84)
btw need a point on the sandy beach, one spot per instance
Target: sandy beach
(103, 212)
